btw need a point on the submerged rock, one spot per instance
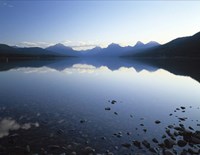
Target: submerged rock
(107, 108)
(82, 121)
(192, 151)
(137, 143)
(88, 150)
(182, 107)
(115, 113)
(126, 145)
(182, 118)
(145, 130)
(153, 150)
(184, 152)
(113, 102)
(168, 152)
(181, 143)
(169, 143)
(128, 133)
(157, 122)
(190, 128)
(146, 144)
(73, 153)
(54, 147)
(155, 140)
(60, 132)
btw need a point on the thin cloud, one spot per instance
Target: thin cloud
(6, 4)
(78, 45)
(34, 44)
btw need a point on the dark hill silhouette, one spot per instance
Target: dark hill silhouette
(33, 52)
(185, 47)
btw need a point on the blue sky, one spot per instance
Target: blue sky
(84, 24)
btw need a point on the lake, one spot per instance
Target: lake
(106, 106)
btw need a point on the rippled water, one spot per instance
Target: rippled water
(66, 105)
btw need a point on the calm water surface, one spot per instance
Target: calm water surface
(59, 106)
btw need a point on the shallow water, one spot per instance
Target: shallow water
(58, 106)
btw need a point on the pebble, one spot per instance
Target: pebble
(146, 144)
(115, 113)
(157, 122)
(190, 128)
(128, 133)
(137, 143)
(155, 140)
(116, 147)
(145, 130)
(168, 152)
(54, 147)
(170, 126)
(28, 148)
(126, 145)
(182, 107)
(113, 102)
(182, 118)
(169, 143)
(73, 153)
(82, 121)
(107, 108)
(164, 136)
(88, 150)
(153, 150)
(103, 138)
(60, 132)
(181, 143)
(184, 152)
(69, 147)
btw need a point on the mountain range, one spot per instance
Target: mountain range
(185, 47)
(112, 50)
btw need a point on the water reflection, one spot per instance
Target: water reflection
(72, 101)
(9, 124)
(186, 67)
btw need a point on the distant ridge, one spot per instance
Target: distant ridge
(112, 50)
(139, 44)
(185, 47)
(62, 50)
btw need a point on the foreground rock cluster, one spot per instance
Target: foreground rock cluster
(180, 137)
(176, 140)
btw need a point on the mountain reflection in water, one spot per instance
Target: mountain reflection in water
(78, 105)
